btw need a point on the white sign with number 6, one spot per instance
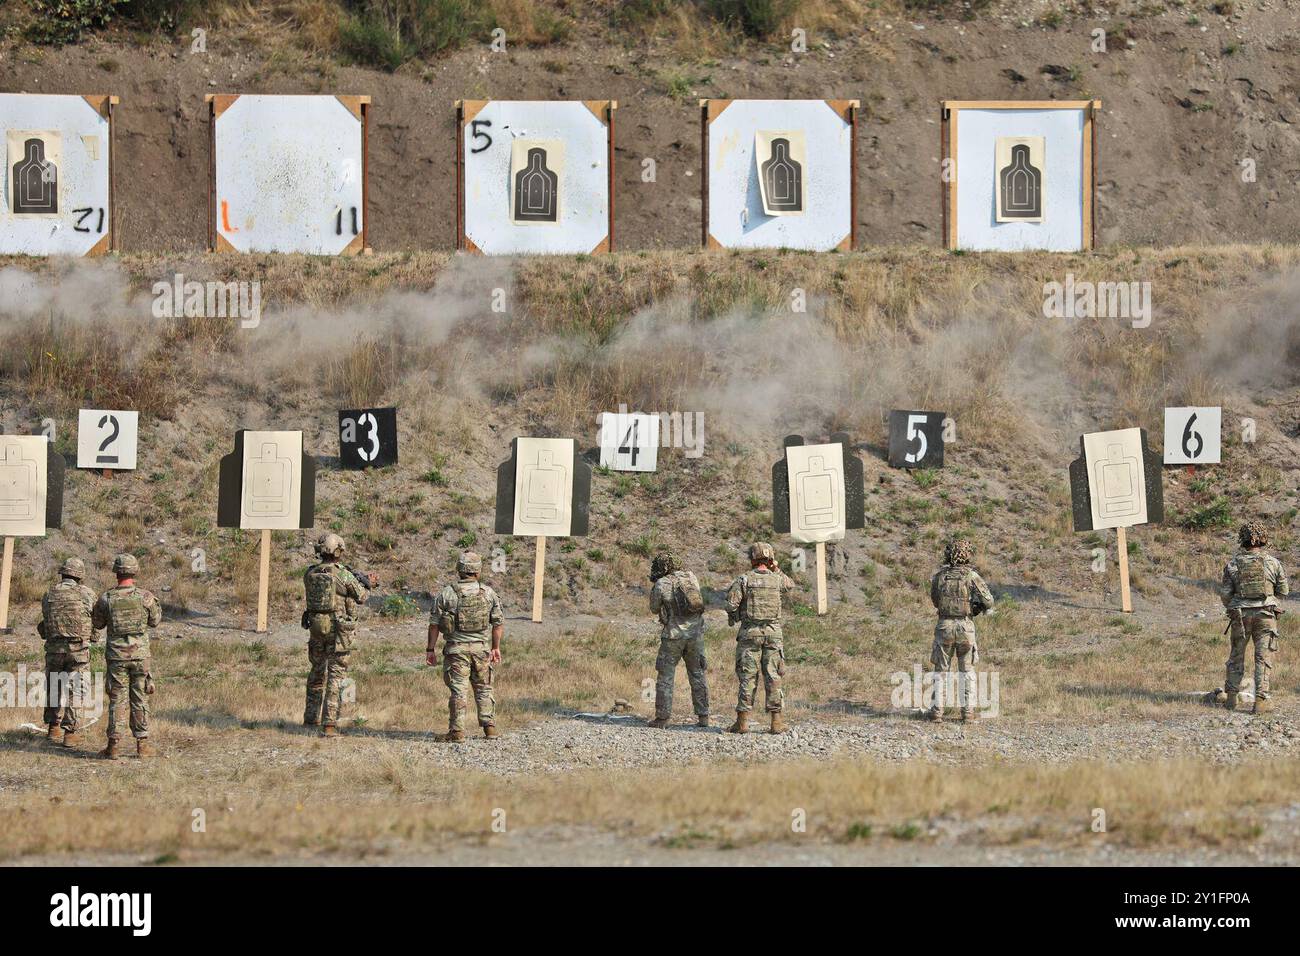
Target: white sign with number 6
(629, 441)
(1192, 435)
(107, 439)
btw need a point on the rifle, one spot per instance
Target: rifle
(368, 578)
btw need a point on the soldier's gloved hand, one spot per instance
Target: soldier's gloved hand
(494, 656)
(372, 580)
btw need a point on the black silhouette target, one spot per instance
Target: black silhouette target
(35, 181)
(1022, 186)
(783, 179)
(537, 190)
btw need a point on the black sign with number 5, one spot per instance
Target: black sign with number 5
(916, 439)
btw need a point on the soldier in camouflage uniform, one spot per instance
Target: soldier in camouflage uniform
(675, 597)
(334, 597)
(959, 594)
(465, 613)
(1252, 582)
(65, 626)
(754, 601)
(128, 612)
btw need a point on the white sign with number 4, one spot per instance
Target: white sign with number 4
(107, 439)
(629, 441)
(1192, 435)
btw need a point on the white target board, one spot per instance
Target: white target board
(1019, 176)
(23, 464)
(271, 492)
(544, 487)
(57, 176)
(779, 174)
(1193, 435)
(289, 174)
(1116, 478)
(817, 499)
(535, 176)
(107, 439)
(629, 441)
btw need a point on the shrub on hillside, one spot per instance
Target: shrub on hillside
(387, 33)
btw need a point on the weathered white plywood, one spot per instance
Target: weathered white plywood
(576, 143)
(1061, 228)
(60, 145)
(289, 175)
(24, 460)
(739, 140)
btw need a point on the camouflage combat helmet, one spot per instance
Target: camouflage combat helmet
(1253, 534)
(665, 562)
(958, 551)
(330, 545)
(469, 562)
(126, 566)
(72, 568)
(760, 552)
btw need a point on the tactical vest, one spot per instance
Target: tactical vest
(67, 617)
(1253, 581)
(687, 599)
(762, 598)
(473, 608)
(954, 593)
(322, 596)
(127, 615)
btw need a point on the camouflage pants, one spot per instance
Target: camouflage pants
(759, 651)
(672, 650)
(1262, 630)
(955, 637)
(128, 679)
(66, 684)
(329, 670)
(466, 665)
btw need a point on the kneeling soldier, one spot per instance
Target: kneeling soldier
(464, 613)
(128, 612)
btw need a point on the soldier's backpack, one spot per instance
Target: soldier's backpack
(126, 612)
(322, 598)
(1253, 582)
(762, 598)
(687, 599)
(66, 617)
(473, 608)
(954, 593)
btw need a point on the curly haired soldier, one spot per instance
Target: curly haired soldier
(334, 598)
(465, 614)
(66, 627)
(959, 594)
(127, 612)
(1252, 583)
(754, 601)
(676, 598)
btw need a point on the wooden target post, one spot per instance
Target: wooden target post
(6, 572)
(264, 581)
(1125, 595)
(821, 577)
(539, 574)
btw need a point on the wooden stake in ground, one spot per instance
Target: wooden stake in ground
(539, 570)
(1121, 545)
(821, 577)
(6, 571)
(264, 581)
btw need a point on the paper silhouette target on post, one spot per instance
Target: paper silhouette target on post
(288, 173)
(31, 486)
(629, 441)
(817, 490)
(1193, 435)
(1020, 166)
(916, 439)
(543, 489)
(107, 439)
(778, 174)
(368, 437)
(535, 176)
(56, 175)
(1116, 481)
(267, 483)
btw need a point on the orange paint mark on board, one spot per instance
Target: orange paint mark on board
(225, 218)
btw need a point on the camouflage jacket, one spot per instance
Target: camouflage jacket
(663, 603)
(446, 605)
(969, 596)
(65, 621)
(1253, 570)
(127, 613)
(739, 600)
(347, 586)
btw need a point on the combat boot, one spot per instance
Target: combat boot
(143, 749)
(1218, 696)
(659, 723)
(330, 730)
(452, 737)
(70, 739)
(110, 752)
(935, 714)
(741, 726)
(778, 723)
(702, 720)
(490, 731)
(1230, 700)
(1262, 705)
(55, 734)
(967, 715)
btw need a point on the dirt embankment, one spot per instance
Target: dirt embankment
(1186, 100)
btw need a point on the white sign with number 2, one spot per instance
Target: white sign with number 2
(107, 439)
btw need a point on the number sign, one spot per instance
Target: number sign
(1192, 436)
(107, 439)
(629, 441)
(916, 439)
